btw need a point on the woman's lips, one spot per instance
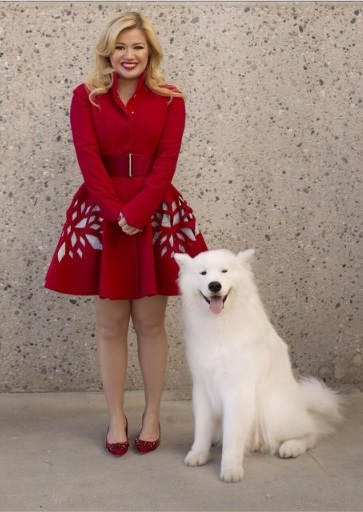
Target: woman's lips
(128, 65)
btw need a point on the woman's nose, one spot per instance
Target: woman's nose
(129, 53)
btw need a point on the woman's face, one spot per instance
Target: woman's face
(131, 54)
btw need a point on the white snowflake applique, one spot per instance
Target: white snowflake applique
(174, 227)
(84, 227)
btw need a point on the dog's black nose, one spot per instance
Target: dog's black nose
(214, 286)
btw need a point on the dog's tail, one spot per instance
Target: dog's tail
(324, 403)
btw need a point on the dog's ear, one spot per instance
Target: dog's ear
(246, 256)
(181, 258)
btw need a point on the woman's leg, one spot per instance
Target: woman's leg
(148, 316)
(112, 321)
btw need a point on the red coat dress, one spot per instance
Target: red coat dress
(127, 156)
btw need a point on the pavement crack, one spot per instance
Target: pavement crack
(320, 464)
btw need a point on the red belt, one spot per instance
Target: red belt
(127, 165)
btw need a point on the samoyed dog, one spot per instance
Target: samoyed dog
(244, 391)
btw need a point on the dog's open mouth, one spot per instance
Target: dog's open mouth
(216, 302)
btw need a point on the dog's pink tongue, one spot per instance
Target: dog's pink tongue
(216, 304)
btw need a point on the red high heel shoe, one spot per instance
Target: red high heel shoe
(147, 446)
(118, 449)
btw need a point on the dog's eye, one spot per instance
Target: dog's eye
(204, 273)
(224, 271)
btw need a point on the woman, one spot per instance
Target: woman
(127, 220)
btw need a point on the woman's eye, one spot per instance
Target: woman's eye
(119, 47)
(204, 273)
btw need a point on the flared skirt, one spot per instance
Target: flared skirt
(94, 257)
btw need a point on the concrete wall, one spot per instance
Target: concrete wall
(272, 159)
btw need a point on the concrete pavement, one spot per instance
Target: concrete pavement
(52, 458)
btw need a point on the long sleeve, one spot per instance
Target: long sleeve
(140, 208)
(98, 182)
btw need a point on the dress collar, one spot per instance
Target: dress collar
(140, 83)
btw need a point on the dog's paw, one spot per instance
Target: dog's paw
(196, 458)
(292, 448)
(231, 474)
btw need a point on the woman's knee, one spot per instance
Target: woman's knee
(109, 330)
(148, 317)
(148, 327)
(112, 319)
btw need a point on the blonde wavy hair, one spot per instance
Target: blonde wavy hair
(101, 76)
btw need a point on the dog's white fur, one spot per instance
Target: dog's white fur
(243, 383)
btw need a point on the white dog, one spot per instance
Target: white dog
(243, 385)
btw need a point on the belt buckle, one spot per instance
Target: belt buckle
(130, 165)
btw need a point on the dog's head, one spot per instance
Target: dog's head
(212, 275)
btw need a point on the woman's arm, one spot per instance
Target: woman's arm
(97, 181)
(139, 209)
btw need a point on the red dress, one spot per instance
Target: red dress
(127, 156)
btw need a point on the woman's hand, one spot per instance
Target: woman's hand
(128, 230)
